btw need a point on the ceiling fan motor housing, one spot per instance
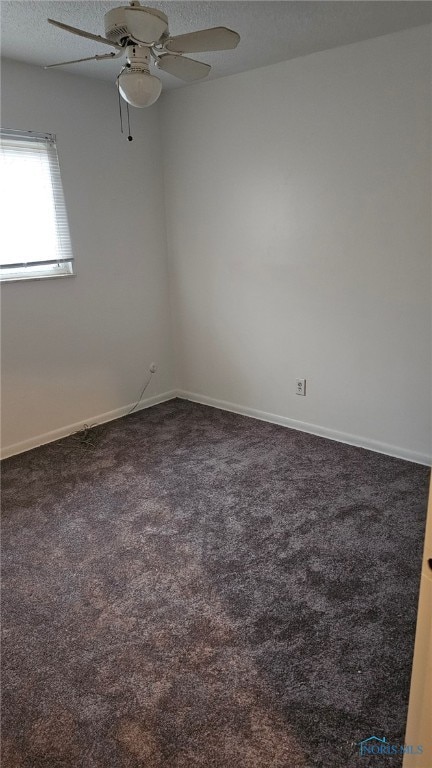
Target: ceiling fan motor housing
(120, 24)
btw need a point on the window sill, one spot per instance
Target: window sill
(34, 277)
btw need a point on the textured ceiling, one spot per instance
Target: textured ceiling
(270, 31)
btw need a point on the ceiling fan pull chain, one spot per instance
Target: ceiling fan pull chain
(120, 109)
(130, 138)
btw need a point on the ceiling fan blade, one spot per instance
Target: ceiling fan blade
(214, 39)
(82, 33)
(185, 69)
(88, 58)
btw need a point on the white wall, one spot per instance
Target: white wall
(298, 213)
(75, 348)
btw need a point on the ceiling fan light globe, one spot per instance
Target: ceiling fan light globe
(138, 88)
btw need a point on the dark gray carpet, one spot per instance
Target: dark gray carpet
(204, 589)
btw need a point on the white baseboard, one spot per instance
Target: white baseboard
(301, 426)
(102, 418)
(313, 429)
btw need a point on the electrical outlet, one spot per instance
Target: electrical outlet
(153, 367)
(300, 386)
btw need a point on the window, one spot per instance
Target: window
(34, 235)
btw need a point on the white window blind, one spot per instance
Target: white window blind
(34, 236)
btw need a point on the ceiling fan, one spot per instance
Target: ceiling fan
(141, 34)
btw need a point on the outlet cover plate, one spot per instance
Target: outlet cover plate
(300, 386)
